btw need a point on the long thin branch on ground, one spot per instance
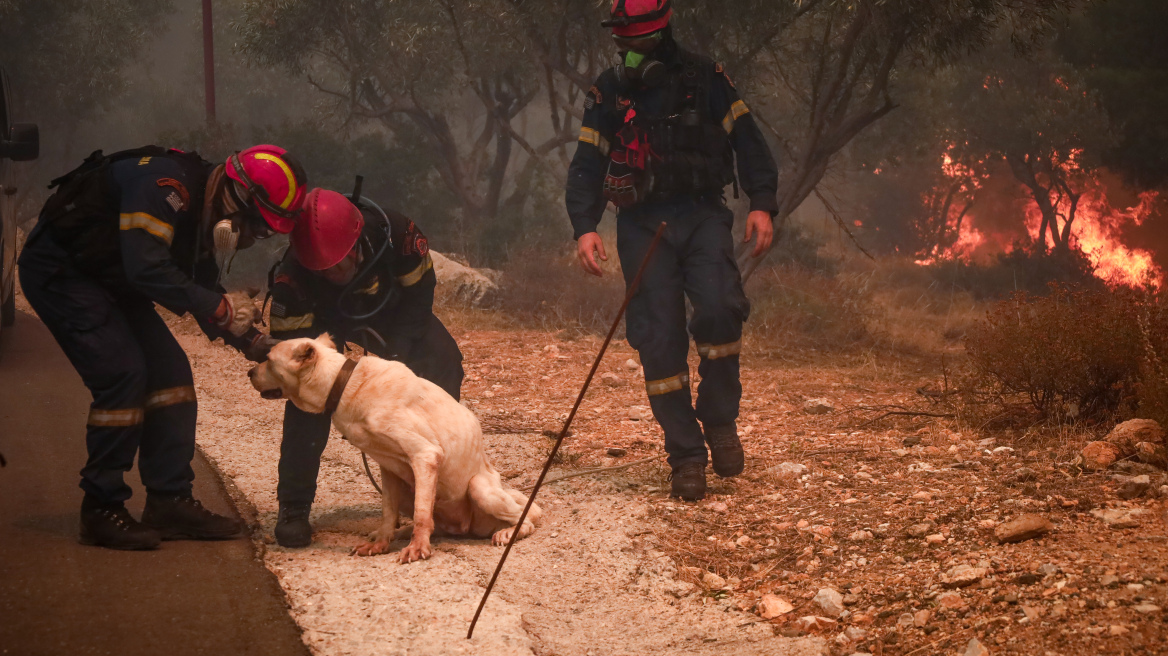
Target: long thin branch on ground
(598, 470)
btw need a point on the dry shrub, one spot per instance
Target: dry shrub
(792, 304)
(552, 293)
(1073, 353)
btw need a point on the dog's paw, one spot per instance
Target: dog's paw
(371, 548)
(414, 551)
(501, 538)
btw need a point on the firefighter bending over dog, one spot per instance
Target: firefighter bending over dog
(366, 276)
(660, 135)
(121, 233)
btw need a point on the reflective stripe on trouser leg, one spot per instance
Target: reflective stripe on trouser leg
(667, 385)
(718, 351)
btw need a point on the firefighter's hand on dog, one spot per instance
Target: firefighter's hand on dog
(759, 222)
(237, 313)
(260, 346)
(587, 248)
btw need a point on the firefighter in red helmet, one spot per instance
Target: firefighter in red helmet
(663, 135)
(366, 276)
(121, 233)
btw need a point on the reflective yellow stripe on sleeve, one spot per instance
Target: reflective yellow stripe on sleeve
(170, 396)
(288, 324)
(414, 277)
(588, 135)
(716, 351)
(152, 225)
(667, 385)
(114, 418)
(737, 111)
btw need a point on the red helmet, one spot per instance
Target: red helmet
(327, 230)
(638, 17)
(275, 181)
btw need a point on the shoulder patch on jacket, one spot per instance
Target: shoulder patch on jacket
(415, 243)
(179, 198)
(593, 98)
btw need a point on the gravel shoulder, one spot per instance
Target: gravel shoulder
(590, 581)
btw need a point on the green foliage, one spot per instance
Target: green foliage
(1074, 353)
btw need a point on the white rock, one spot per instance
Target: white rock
(818, 407)
(789, 469)
(810, 623)
(713, 582)
(1118, 518)
(1147, 609)
(611, 379)
(1003, 451)
(830, 601)
(962, 576)
(860, 536)
(639, 412)
(632, 365)
(461, 283)
(771, 606)
(975, 648)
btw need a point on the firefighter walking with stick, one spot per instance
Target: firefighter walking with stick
(661, 134)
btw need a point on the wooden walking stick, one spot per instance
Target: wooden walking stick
(567, 424)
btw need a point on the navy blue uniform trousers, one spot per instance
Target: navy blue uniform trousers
(139, 376)
(695, 260)
(435, 356)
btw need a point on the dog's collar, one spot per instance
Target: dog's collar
(334, 397)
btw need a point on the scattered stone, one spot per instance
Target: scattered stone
(1026, 527)
(912, 440)
(1164, 491)
(851, 599)
(1025, 475)
(1119, 518)
(1109, 581)
(1098, 456)
(921, 618)
(1147, 609)
(823, 531)
(1135, 468)
(919, 530)
(950, 601)
(855, 634)
(1152, 454)
(1003, 451)
(935, 538)
(922, 496)
(789, 469)
(1134, 487)
(975, 648)
(962, 576)
(818, 407)
(1029, 578)
(830, 601)
(1116, 630)
(860, 536)
(713, 582)
(1049, 569)
(905, 620)
(639, 412)
(617, 452)
(1032, 613)
(612, 380)
(1130, 433)
(813, 623)
(632, 365)
(771, 606)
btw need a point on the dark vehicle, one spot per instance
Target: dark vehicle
(19, 142)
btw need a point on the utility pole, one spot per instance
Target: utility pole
(209, 62)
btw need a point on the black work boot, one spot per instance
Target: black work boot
(292, 528)
(725, 450)
(183, 517)
(111, 526)
(689, 481)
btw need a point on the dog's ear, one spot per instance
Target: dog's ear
(304, 353)
(326, 338)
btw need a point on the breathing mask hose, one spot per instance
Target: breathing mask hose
(371, 267)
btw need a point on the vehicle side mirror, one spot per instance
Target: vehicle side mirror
(23, 144)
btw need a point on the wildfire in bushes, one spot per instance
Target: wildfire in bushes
(979, 215)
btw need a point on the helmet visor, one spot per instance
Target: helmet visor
(643, 44)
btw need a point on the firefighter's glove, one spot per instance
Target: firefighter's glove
(236, 314)
(260, 346)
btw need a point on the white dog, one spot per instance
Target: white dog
(429, 446)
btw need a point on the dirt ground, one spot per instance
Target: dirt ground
(593, 580)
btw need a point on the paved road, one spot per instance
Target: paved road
(58, 597)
